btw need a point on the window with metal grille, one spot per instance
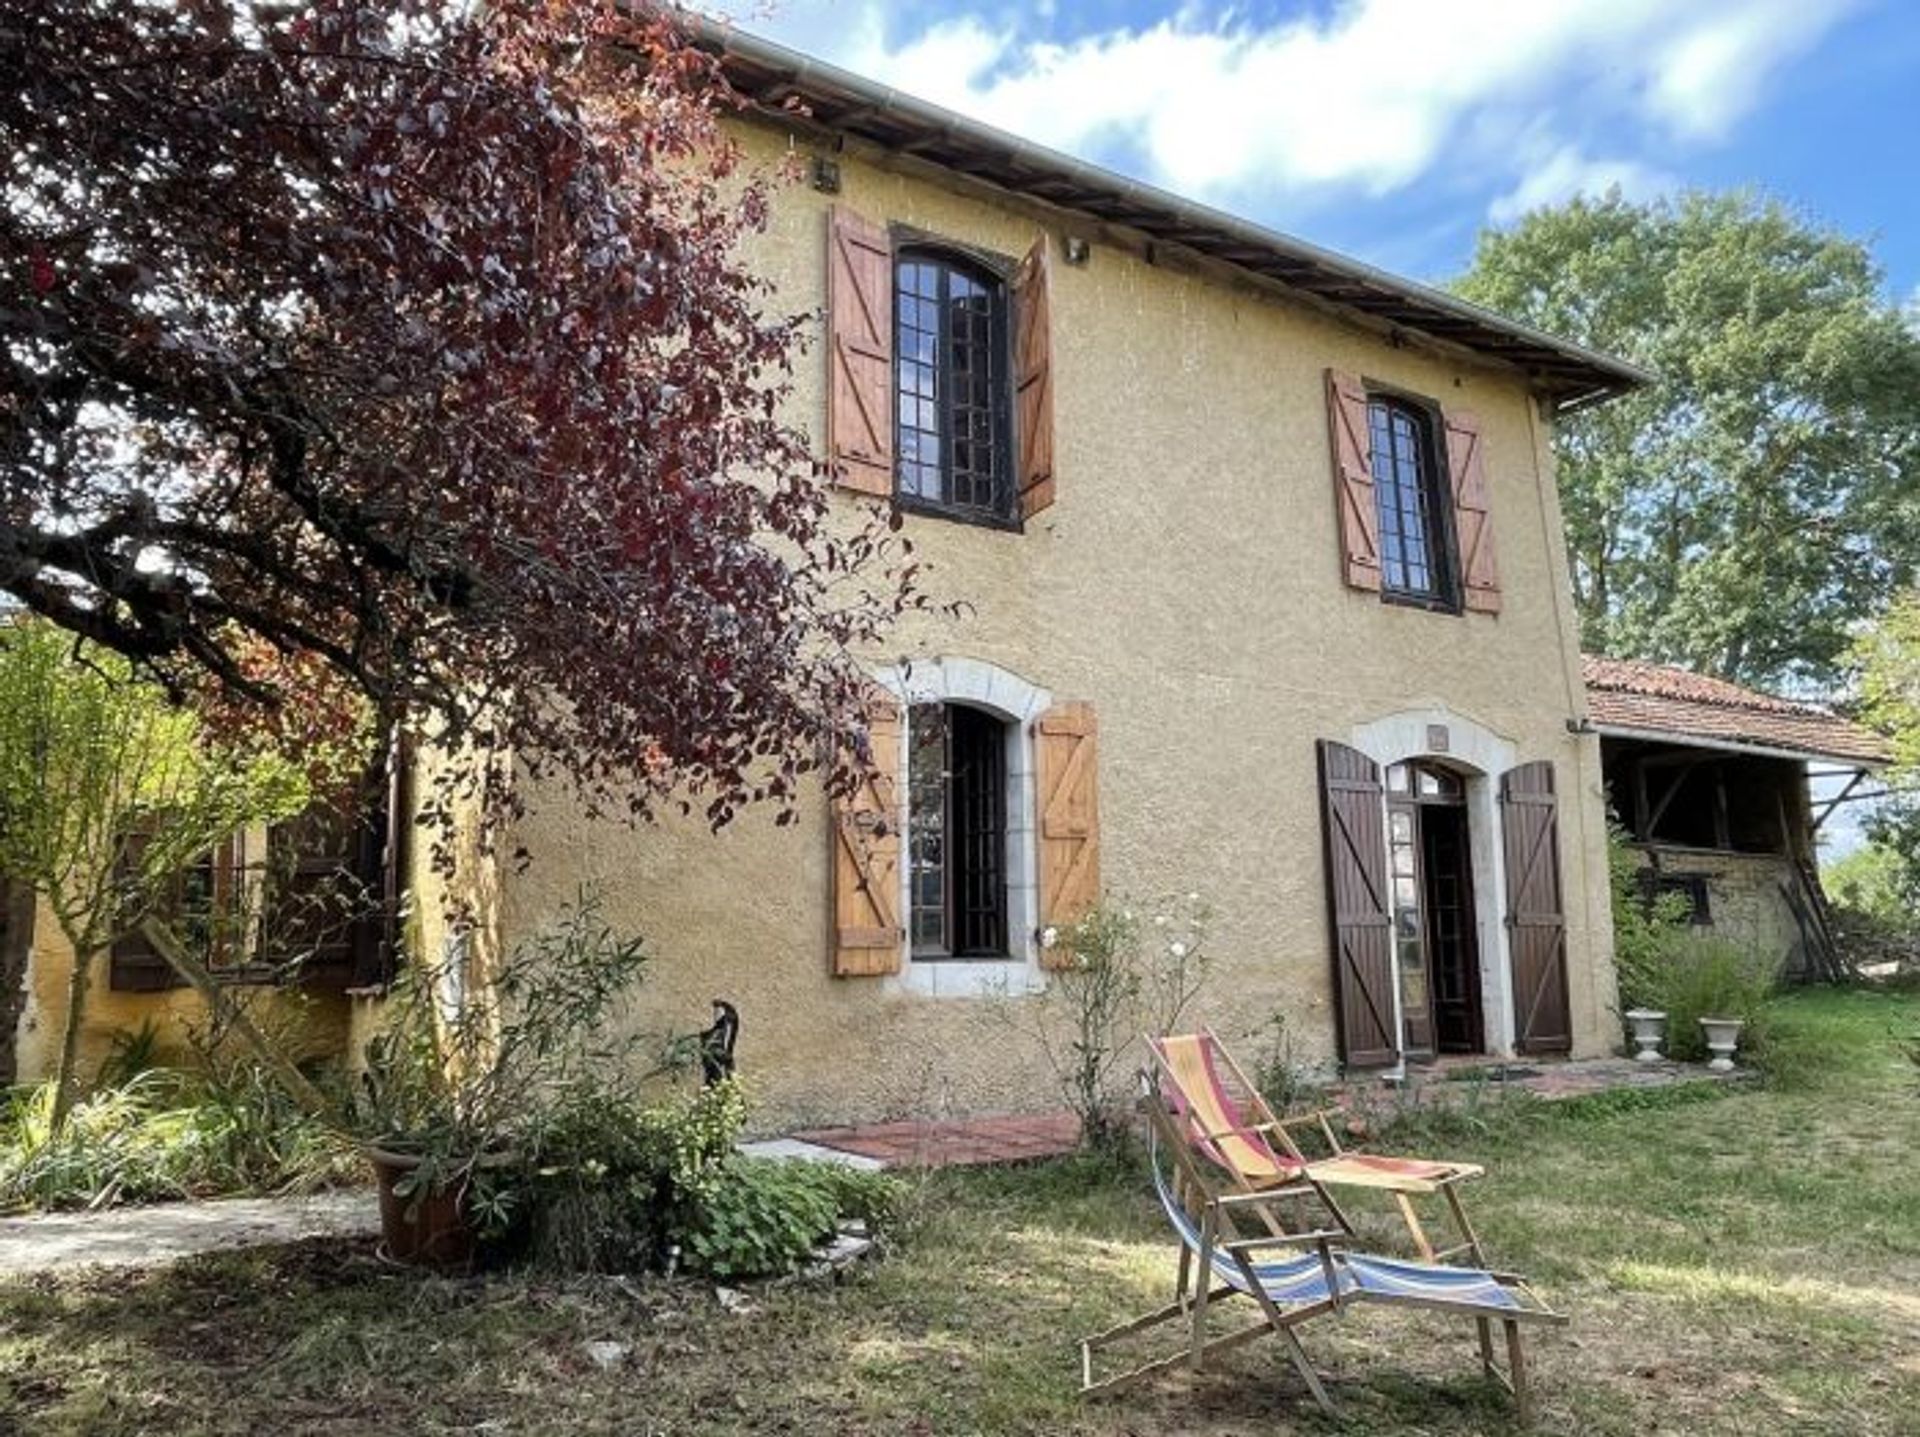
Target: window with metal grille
(957, 832)
(953, 395)
(1407, 493)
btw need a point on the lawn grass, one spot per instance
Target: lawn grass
(1748, 1263)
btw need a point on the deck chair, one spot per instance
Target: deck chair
(1294, 1279)
(1230, 1124)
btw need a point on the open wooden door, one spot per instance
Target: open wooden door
(1353, 819)
(1536, 913)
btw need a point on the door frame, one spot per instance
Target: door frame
(1480, 756)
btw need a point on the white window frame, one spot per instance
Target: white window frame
(1018, 704)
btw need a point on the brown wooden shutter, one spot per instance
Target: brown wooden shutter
(1066, 744)
(383, 865)
(1472, 514)
(135, 965)
(1536, 917)
(866, 856)
(1352, 809)
(859, 352)
(1033, 378)
(1353, 481)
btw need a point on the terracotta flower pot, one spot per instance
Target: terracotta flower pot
(427, 1228)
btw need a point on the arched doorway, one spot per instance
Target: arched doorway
(1436, 949)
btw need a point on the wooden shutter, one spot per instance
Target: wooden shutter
(1033, 378)
(382, 867)
(859, 353)
(867, 934)
(135, 965)
(1472, 515)
(1536, 917)
(1352, 809)
(1066, 756)
(1353, 481)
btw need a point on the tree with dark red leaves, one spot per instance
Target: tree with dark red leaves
(408, 347)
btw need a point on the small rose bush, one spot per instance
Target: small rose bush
(1124, 970)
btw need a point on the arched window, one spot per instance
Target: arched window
(953, 393)
(957, 831)
(1409, 498)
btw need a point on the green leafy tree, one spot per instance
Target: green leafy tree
(107, 792)
(1743, 511)
(1886, 660)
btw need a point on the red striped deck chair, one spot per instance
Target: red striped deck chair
(1230, 1124)
(1292, 1277)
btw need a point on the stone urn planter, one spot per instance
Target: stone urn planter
(1649, 1027)
(1723, 1035)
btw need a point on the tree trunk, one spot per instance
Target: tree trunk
(17, 903)
(220, 1003)
(65, 1080)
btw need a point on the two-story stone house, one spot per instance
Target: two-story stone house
(1267, 599)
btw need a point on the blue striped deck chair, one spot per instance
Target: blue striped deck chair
(1295, 1278)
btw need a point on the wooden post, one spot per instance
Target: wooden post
(219, 1002)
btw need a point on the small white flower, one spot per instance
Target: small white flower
(1178, 950)
(1159, 920)
(1127, 914)
(1193, 897)
(1049, 937)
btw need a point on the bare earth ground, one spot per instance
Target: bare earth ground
(1745, 1263)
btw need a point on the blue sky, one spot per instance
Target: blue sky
(1395, 129)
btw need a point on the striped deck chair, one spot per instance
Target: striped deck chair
(1228, 1121)
(1295, 1278)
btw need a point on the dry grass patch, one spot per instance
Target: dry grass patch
(1737, 1265)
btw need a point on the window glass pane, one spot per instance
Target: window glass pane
(954, 396)
(1403, 490)
(927, 825)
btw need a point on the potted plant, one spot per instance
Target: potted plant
(1649, 1027)
(1722, 1034)
(468, 1064)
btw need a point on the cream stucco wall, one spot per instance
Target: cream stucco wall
(1186, 583)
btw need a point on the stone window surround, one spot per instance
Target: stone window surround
(1480, 755)
(1018, 704)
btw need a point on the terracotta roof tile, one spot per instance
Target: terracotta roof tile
(1659, 699)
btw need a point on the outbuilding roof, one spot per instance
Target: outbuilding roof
(776, 80)
(1632, 699)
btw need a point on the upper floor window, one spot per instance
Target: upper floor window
(1410, 501)
(952, 387)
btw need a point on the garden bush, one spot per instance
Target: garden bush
(761, 1218)
(1699, 976)
(156, 1134)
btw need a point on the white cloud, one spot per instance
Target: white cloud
(1371, 96)
(1566, 172)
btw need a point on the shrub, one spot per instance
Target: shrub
(1707, 977)
(1645, 926)
(1117, 975)
(610, 1182)
(1286, 1083)
(160, 1134)
(761, 1218)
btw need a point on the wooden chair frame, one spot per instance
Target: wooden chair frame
(1195, 1292)
(1325, 1173)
